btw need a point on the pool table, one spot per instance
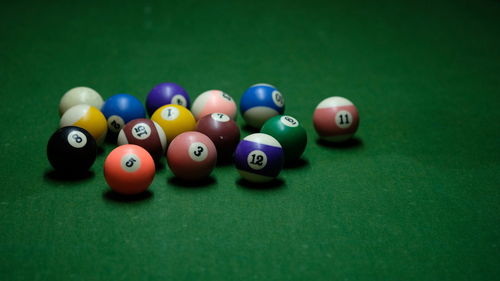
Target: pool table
(415, 195)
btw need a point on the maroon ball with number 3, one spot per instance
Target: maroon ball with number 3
(191, 156)
(223, 132)
(146, 134)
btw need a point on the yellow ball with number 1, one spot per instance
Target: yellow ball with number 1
(174, 120)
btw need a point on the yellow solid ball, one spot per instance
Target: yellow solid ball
(87, 117)
(174, 120)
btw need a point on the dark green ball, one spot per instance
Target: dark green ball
(290, 134)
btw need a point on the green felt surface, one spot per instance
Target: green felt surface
(414, 197)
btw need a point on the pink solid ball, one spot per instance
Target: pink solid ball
(214, 101)
(191, 156)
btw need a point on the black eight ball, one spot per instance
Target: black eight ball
(71, 150)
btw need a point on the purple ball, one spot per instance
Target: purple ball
(166, 93)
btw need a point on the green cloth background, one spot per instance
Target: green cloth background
(415, 196)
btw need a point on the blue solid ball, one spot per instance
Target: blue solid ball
(261, 102)
(120, 109)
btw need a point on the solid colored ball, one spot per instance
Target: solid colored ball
(129, 169)
(259, 158)
(71, 150)
(261, 102)
(119, 109)
(166, 93)
(336, 119)
(174, 120)
(80, 95)
(87, 117)
(146, 134)
(191, 156)
(223, 132)
(214, 101)
(289, 133)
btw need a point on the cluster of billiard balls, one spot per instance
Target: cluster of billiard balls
(192, 137)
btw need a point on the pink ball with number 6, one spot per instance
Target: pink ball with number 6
(214, 101)
(336, 119)
(191, 156)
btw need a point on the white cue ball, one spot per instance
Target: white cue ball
(80, 95)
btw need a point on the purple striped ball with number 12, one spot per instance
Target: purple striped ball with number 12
(259, 158)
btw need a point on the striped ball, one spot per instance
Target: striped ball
(336, 119)
(259, 158)
(86, 117)
(146, 134)
(259, 103)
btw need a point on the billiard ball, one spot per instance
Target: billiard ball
(71, 150)
(119, 109)
(87, 117)
(191, 156)
(336, 119)
(166, 93)
(223, 132)
(174, 119)
(80, 95)
(261, 102)
(146, 134)
(129, 169)
(259, 158)
(289, 133)
(214, 101)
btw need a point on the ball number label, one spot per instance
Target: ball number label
(278, 99)
(226, 96)
(170, 113)
(77, 139)
(115, 123)
(141, 131)
(179, 99)
(221, 117)
(130, 162)
(198, 151)
(289, 121)
(343, 119)
(257, 159)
